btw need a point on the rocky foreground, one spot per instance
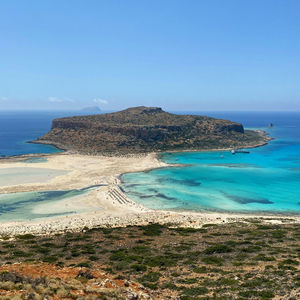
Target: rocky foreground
(147, 129)
(237, 261)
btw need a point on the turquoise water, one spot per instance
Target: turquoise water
(20, 206)
(266, 180)
(35, 160)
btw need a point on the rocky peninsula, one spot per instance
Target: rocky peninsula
(147, 129)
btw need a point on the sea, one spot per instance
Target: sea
(17, 128)
(265, 180)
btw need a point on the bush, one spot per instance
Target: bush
(212, 260)
(152, 230)
(160, 261)
(151, 277)
(219, 248)
(84, 265)
(139, 268)
(27, 236)
(194, 291)
(263, 295)
(50, 259)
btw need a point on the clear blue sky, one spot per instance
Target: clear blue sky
(180, 55)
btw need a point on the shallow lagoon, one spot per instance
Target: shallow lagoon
(25, 206)
(266, 180)
(36, 160)
(16, 176)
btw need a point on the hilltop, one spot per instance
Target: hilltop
(147, 129)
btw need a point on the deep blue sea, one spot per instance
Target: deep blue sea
(19, 127)
(266, 180)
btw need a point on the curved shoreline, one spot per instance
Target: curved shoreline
(110, 206)
(49, 144)
(261, 133)
(117, 208)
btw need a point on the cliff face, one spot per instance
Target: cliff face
(144, 129)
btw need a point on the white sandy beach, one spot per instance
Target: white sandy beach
(105, 205)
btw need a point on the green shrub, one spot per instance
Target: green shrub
(50, 259)
(151, 277)
(27, 236)
(188, 280)
(218, 248)
(152, 230)
(212, 260)
(84, 265)
(138, 267)
(263, 295)
(194, 291)
(200, 270)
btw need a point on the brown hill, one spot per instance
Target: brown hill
(146, 129)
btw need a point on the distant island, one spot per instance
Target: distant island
(91, 110)
(147, 129)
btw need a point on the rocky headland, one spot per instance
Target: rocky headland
(147, 129)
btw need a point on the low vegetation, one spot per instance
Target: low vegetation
(229, 261)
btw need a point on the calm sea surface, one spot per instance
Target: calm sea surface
(17, 128)
(267, 179)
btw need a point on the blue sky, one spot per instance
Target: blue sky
(180, 55)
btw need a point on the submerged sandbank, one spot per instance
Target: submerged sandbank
(24, 175)
(106, 205)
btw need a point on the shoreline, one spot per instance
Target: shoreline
(107, 205)
(263, 134)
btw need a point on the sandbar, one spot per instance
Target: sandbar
(106, 205)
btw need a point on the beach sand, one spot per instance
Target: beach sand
(105, 205)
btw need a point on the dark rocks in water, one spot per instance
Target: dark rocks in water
(245, 200)
(187, 182)
(146, 129)
(234, 165)
(161, 195)
(156, 193)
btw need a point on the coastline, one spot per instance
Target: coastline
(263, 134)
(59, 147)
(108, 206)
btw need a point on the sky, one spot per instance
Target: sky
(180, 55)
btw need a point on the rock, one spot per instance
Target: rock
(85, 274)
